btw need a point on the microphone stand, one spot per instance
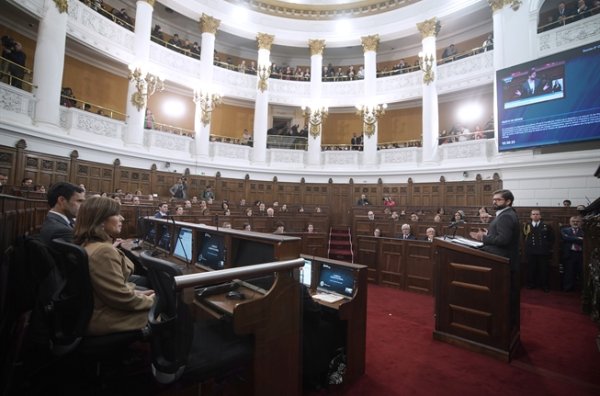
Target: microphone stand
(179, 240)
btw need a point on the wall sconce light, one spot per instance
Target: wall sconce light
(146, 84)
(316, 116)
(263, 72)
(208, 101)
(370, 114)
(426, 65)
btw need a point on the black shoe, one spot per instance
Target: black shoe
(546, 290)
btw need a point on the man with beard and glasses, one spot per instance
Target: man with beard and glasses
(502, 238)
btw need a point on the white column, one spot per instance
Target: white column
(370, 44)
(49, 64)
(261, 108)
(430, 116)
(316, 88)
(261, 122)
(209, 26)
(134, 134)
(498, 59)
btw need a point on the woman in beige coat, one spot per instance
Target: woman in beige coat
(118, 306)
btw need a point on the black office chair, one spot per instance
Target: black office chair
(181, 346)
(73, 306)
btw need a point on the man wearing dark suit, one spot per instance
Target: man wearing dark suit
(64, 200)
(532, 86)
(406, 233)
(363, 201)
(502, 238)
(539, 239)
(572, 252)
(430, 234)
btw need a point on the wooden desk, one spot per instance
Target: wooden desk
(273, 319)
(351, 311)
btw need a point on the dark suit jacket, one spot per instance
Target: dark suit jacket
(54, 227)
(569, 238)
(410, 236)
(526, 89)
(503, 237)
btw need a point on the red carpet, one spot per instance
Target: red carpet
(558, 354)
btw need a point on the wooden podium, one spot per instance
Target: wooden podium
(473, 304)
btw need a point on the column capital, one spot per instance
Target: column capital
(370, 43)
(497, 5)
(429, 27)
(62, 5)
(316, 47)
(209, 24)
(265, 41)
(150, 2)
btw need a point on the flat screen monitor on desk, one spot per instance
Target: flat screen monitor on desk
(336, 279)
(183, 244)
(248, 252)
(211, 248)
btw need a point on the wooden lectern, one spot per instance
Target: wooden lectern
(473, 307)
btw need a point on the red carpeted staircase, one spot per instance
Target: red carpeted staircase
(340, 244)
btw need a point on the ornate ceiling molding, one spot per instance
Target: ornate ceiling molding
(307, 10)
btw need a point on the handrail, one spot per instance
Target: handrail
(157, 126)
(568, 19)
(111, 112)
(6, 63)
(454, 137)
(224, 275)
(399, 144)
(27, 70)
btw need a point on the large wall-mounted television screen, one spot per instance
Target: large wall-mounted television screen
(550, 101)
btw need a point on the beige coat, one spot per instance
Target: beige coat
(117, 307)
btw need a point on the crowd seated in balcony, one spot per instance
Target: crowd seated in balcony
(67, 97)
(461, 133)
(567, 12)
(399, 144)
(330, 72)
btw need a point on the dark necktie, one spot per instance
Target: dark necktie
(71, 223)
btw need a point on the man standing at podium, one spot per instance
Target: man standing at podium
(502, 238)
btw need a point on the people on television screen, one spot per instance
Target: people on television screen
(532, 86)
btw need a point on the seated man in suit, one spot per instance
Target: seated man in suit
(430, 234)
(406, 232)
(64, 200)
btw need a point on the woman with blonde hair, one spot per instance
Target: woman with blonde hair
(118, 306)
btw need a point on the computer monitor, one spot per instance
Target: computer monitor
(211, 248)
(336, 279)
(306, 273)
(183, 244)
(248, 252)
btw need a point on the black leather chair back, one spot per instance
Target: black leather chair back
(71, 303)
(169, 320)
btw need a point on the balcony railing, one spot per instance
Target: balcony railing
(16, 75)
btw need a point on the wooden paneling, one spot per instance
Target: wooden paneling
(392, 264)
